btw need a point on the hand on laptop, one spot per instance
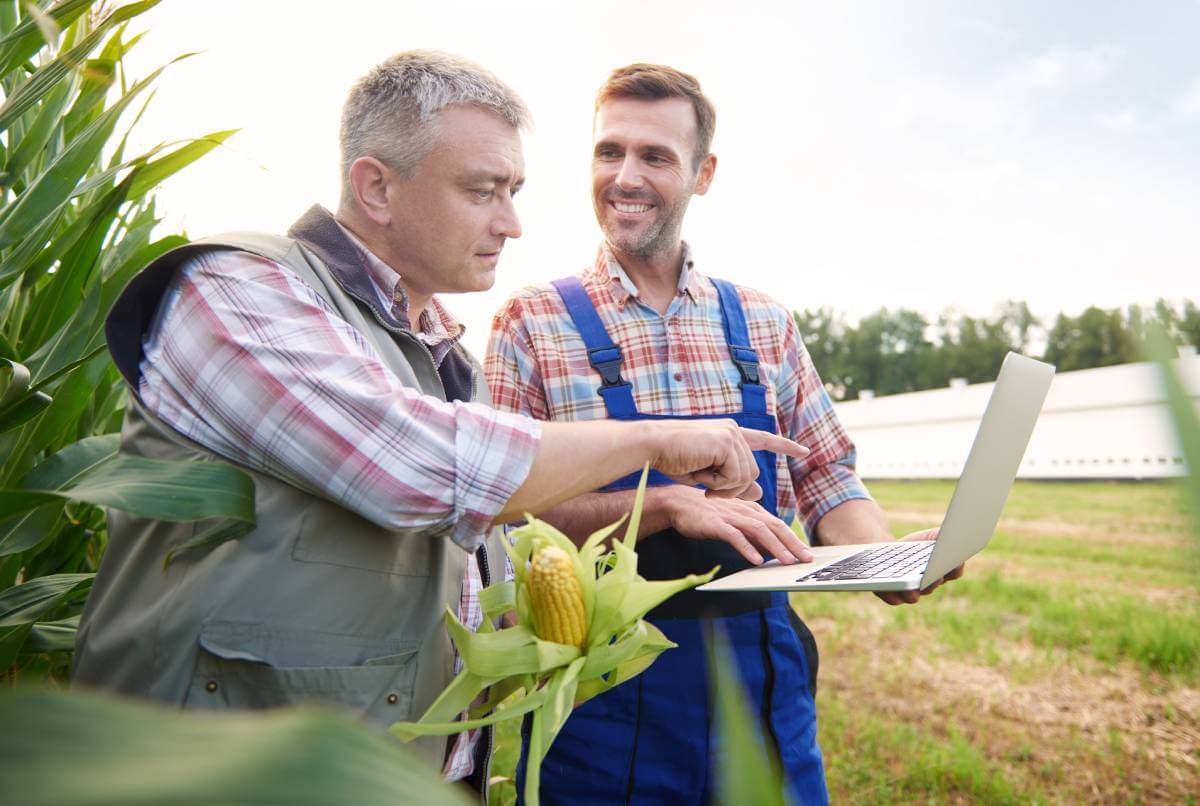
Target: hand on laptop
(911, 597)
(745, 525)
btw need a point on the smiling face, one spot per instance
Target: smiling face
(448, 222)
(643, 173)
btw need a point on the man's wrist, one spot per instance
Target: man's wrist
(668, 502)
(649, 437)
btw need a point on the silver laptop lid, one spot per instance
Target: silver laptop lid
(1008, 421)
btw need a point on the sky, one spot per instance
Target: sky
(928, 155)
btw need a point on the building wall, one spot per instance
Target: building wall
(1110, 422)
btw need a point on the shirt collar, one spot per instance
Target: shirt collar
(436, 326)
(623, 287)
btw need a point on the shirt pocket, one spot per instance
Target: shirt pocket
(244, 666)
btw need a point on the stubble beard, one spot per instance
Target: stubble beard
(659, 237)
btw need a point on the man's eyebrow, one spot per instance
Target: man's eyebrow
(495, 178)
(605, 144)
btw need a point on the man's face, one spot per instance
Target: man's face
(642, 172)
(450, 219)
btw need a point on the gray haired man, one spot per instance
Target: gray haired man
(323, 364)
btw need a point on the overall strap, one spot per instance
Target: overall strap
(604, 356)
(737, 336)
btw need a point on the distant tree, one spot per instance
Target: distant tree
(823, 334)
(899, 351)
(973, 348)
(1096, 338)
(887, 353)
(1189, 324)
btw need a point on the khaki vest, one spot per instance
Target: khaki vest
(316, 603)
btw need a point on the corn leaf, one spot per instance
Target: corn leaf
(137, 754)
(58, 182)
(26, 39)
(547, 721)
(746, 771)
(52, 636)
(20, 402)
(28, 602)
(163, 167)
(36, 137)
(44, 79)
(25, 530)
(498, 599)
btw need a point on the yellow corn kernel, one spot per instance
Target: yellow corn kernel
(557, 598)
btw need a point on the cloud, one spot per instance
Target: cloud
(1005, 101)
(1121, 120)
(1062, 69)
(1187, 104)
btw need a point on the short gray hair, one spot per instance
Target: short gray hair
(391, 112)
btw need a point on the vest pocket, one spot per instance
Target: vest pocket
(249, 666)
(333, 536)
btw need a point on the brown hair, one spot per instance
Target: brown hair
(653, 82)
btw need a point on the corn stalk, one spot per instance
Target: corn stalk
(525, 674)
(77, 220)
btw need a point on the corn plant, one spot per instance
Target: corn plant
(77, 220)
(591, 597)
(88, 750)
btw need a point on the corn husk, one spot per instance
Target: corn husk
(549, 679)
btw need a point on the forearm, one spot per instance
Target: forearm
(583, 515)
(577, 458)
(859, 520)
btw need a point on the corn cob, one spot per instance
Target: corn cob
(557, 598)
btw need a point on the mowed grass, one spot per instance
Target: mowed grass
(1062, 668)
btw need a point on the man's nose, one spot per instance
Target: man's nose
(507, 224)
(629, 177)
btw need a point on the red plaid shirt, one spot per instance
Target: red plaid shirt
(250, 362)
(678, 364)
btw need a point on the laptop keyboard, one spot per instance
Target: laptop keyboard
(893, 560)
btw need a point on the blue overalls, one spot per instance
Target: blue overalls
(651, 740)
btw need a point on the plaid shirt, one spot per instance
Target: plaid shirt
(248, 361)
(678, 364)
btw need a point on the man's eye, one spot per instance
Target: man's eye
(485, 194)
(606, 154)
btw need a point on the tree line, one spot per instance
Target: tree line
(894, 351)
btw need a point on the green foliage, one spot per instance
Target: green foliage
(77, 220)
(890, 352)
(524, 674)
(83, 749)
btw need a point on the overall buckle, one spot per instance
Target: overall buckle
(607, 361)
(747, 363)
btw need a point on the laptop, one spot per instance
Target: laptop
(974, 511)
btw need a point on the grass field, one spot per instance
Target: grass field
(1063, 668)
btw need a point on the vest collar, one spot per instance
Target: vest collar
(320, 233)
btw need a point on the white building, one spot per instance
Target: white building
(1110, 422)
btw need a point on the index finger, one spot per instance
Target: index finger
(762, 441)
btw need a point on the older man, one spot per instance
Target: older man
(642, 335)
(323, 363)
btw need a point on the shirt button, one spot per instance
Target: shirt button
(392, 699)
(210, 686)
(679, 376)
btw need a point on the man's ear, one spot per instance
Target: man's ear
(369, 186)
(704, 176)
